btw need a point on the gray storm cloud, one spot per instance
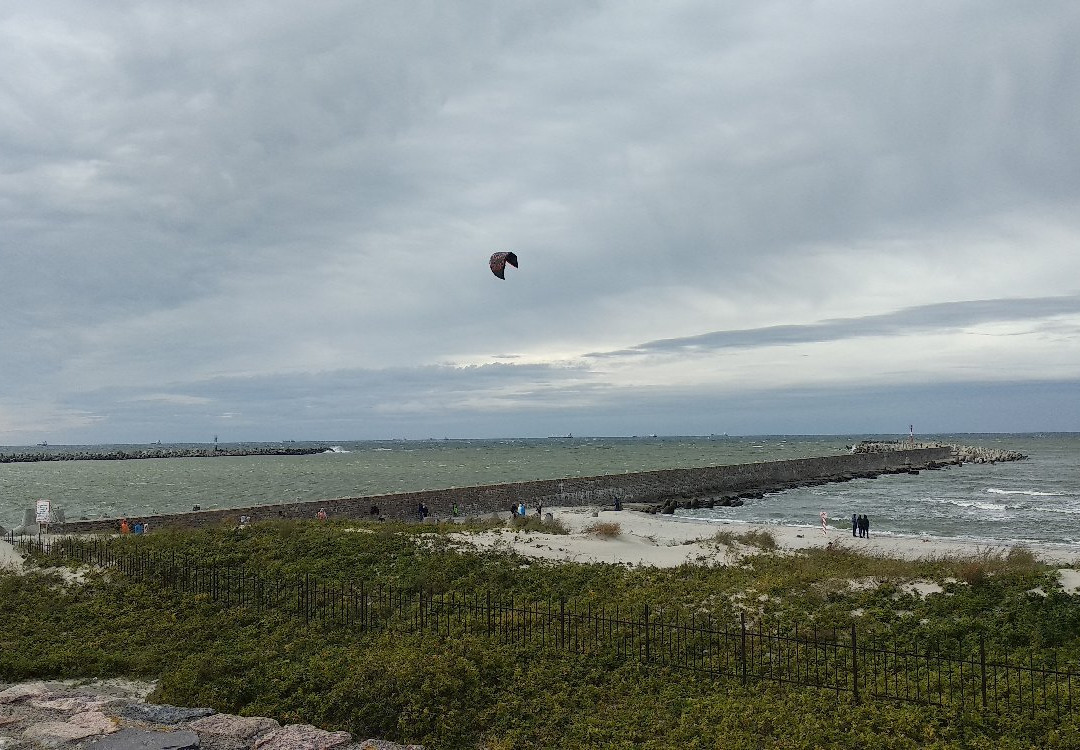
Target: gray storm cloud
(282, 213)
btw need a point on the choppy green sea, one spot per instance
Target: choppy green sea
(1037, 500)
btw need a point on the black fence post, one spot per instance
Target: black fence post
(854, 665)
(363, 605)
(982, 665)
(646, 632)
(562, 623)
(742, 651)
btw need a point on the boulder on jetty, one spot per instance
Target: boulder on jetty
(974, 454)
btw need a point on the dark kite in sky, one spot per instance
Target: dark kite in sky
(498, 262)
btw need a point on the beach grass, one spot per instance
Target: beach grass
(537, 524)
(604, 529)
(469, 691)
(760, 538)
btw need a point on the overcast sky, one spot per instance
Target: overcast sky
(272, 220)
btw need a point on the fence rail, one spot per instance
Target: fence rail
(863, 666)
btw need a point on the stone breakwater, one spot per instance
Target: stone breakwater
(123, 455)
(654, 490)
(113, 715)
(972, 454)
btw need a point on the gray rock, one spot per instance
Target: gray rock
(302, 737)
(228, 731)
(68, 703)
(143, 739)
(78, 727)
(163, 714)
(17, 693)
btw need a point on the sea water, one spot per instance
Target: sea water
(1032, 501)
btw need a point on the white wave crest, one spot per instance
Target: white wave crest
(971, 504)
(1029, 493)
(335, 449)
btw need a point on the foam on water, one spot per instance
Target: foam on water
(1032, 493)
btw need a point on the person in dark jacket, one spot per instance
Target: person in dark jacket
(862, 526)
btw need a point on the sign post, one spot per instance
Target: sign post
(42, 514)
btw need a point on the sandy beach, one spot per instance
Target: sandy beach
(666, 541)
(9, 558)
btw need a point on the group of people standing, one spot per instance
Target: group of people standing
(860, 526)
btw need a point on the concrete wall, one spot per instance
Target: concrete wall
(640, 487)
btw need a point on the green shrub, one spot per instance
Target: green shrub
(604, 529)
(725, 537)
(465, 690)
(535, 523)
(761, 538)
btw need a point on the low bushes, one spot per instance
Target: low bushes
(469, 691)
(604, 529)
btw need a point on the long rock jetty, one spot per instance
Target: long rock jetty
(967, 454)
(123, 454)
(657, 491)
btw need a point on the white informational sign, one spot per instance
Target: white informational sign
(44, 508)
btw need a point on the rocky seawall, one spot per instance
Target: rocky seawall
(114, 715)
(973, 454)
(659, 491)
(172, 452)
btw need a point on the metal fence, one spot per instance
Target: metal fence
(844, 661)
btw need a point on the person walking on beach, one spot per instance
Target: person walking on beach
(854, 525)
(866, 526)
(824, 524)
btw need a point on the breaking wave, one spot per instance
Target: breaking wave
(1029, 493)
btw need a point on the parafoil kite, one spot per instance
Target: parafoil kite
(498, 262)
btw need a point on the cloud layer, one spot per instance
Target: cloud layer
(272, 220)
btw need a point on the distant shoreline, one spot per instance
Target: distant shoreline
(125, 455)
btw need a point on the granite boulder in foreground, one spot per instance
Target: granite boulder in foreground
(113, 715)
